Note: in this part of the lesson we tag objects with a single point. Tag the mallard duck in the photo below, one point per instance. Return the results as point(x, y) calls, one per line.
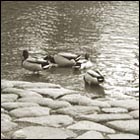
point(92, 77)
point(63, 59)
point(33, 64)
point(84, 63)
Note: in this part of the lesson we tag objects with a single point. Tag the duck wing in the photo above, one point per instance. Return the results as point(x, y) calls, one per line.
point(36, 60)
point(93, 73)
point(96, 74)
point(70, 56)
point(63, 62)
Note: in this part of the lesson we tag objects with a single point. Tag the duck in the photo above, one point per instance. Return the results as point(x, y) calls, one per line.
point(33, 64)
point(84, 63)
point(63, 59)
point(93, 77)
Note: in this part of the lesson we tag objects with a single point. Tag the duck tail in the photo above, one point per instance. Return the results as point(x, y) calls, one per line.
point(100, 78)
point(78, 58)
point(45, 65)
point(77, 65)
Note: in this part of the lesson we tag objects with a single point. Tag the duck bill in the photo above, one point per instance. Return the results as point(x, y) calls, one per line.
point(101, 79)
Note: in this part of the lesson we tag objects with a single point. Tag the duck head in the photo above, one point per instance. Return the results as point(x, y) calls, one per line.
point(25, 54)
point(86, 56)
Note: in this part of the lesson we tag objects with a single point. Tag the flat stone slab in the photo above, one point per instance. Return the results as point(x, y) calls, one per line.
point(4, 111)
point(5, 117)
point(91, 135)
point(53, 92)
point(131, 126)
point(128, 104)
point(37, 100)
point(114, 110)
point(2, 136)
point(135, 114)
point(51, 120)
point(6, 84)
point(54, 104)
point(21, 92)
point(78, 99)
point(76, 110)
point(105, 117)
point(24, 84)
point(38, 132)
point(14, 105)
point(30, 111)
point(88, 125)
point(7, 125)
point(8, 98)
point(123, 136)
point(12, 90)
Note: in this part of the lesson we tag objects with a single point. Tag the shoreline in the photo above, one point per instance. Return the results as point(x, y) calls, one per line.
point(30, 110)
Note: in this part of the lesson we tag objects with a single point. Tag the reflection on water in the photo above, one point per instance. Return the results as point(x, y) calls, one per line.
point(94, 91)
point(106, 30)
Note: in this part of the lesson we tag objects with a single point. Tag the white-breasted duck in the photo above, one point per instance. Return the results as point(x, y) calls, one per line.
point(33, 64)
point(84, 63)
point(93, 77)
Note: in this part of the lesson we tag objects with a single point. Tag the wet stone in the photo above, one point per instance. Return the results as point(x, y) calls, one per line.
point(123, 136)
point(39, 132)
point(53, 92)
point(23, 85)
point(91, 135)
point(27, 93)
point(14, 105)
point(54, 104)
point(21, 92)
point(15, 83)
point(114, 110)
point(12, 90)
point(51, 120)
point(131, 126)
point(57, 104)
point(5, 117)
point(6, 84)
point(105, 117)
point(135, 114)
point(37, 100)
point(7, 125)
point(128, 104)
point(78, 99)
point(8, 98)
point(30, 112)
point(4, 111)
point(2, 136)
point(76, 111)
point(88, 125)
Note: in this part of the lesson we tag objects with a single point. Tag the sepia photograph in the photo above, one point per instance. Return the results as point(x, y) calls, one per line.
point(69, 69)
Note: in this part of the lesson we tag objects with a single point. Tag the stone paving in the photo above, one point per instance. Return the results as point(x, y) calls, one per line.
point(49, 111)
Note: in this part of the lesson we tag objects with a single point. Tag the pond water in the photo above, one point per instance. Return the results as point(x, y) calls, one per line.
point(108, 31)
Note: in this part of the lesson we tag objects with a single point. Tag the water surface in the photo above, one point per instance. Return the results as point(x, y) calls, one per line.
point(109, 31)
